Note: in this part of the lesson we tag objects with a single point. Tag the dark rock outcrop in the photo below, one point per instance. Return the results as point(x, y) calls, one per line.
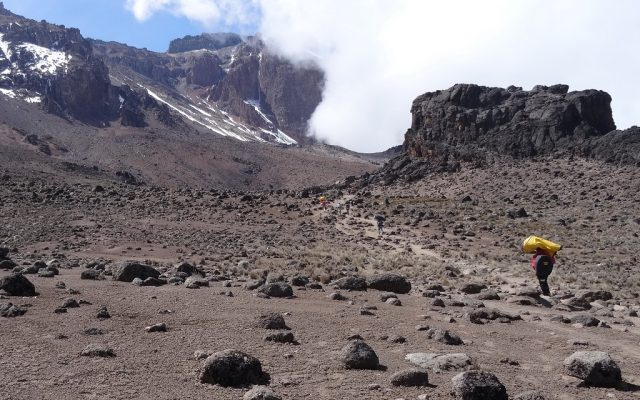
point(466, 120)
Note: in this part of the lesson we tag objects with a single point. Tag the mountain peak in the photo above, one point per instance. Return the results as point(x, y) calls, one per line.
point(205, 41)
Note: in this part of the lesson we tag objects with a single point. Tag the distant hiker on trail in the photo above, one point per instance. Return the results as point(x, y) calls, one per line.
point(542, 260)
point(380, 220)
point(323, 201)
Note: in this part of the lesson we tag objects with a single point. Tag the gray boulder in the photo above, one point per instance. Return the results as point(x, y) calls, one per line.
point(193, 282)
point(358, 355)
point(261, 393)
point(232, 368)
point(442, 362)
point(389, 283)
point(351, 283)
point(10, 310)
point(17, 285)
point(478, 385)
point(595, 368)
point(91, 274)
point(410, 377)
point(128, 271)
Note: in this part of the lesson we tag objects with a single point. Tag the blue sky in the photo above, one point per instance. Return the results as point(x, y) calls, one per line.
point(109, 20)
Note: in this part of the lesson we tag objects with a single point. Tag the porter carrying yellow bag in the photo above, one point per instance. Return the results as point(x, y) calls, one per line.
point(532, 243)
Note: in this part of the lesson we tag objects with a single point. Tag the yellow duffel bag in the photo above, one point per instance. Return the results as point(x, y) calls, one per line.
point(532, 243)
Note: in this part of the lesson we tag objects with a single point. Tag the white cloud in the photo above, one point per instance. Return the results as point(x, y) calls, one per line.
point(209, 13)
point(379, 55)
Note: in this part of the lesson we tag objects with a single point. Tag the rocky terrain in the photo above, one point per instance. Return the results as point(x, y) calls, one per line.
point(117, 290)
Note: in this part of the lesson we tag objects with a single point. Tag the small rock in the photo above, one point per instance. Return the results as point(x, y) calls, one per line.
point(410, 377)
point(530, 395)
point(103, 313)
point(444, 336)
point(98, 350)
point(161, 327)
point(393, 301)
point(281, 337)
point(70, 303)
point(271, 321)
point(261, 393)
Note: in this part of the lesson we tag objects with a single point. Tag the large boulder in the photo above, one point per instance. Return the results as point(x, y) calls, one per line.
point(276, 289)
point(17, 285)
point(128, 271)
point(358, 355)
point(351, 283)
point(389, 283)
point(478, 385)
point(595, 368)
point(232, 368)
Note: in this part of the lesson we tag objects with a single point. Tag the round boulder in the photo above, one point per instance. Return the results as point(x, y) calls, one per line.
point(358, 355)
point(478, 385)
point(595, 368)
point(232, 368)
point(17, 285)
point(389, 283)
point(410, 377)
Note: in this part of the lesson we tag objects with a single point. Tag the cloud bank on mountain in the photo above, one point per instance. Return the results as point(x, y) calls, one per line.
point(379, 55)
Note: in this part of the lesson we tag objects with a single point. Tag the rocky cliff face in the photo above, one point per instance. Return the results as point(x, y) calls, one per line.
point(55, 66)
point(237, 75)
point(206, 41)
point(477, 125)
point(471, 119)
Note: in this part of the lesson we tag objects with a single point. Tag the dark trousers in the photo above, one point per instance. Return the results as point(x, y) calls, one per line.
point(542, 272)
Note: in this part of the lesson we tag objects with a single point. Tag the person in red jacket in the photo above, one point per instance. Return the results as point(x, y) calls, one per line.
point(542, 262)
